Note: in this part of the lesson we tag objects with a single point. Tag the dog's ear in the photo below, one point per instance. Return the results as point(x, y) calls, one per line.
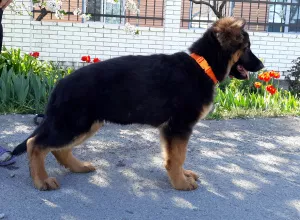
point(229, 31)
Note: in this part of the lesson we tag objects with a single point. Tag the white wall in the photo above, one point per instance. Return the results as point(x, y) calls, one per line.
point(63, 41)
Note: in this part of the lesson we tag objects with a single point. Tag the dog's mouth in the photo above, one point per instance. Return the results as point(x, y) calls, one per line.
point(244, 73)
point(247, 63)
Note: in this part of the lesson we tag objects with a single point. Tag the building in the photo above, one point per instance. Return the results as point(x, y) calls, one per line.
point(167, 26)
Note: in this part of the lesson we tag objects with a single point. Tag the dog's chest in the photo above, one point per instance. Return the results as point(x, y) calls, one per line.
point(205, 110)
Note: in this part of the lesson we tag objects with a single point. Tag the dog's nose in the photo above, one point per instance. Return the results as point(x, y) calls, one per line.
point(261, 66)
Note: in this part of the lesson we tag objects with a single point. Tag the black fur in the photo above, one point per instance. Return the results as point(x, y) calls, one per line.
point(166, 91)
point(249, 61)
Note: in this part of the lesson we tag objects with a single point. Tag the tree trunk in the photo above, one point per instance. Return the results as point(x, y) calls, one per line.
point(42, 15)
point(216, 10)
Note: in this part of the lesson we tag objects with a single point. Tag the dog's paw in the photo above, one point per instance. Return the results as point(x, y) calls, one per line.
point(190, 173)
point(185, 183)
point(83, 167)
point(48, 184)
point(88, 167)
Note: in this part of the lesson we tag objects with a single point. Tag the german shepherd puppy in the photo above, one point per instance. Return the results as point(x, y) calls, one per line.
point(169, 92)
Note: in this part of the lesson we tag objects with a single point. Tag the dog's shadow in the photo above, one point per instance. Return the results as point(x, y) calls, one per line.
point(242, 171)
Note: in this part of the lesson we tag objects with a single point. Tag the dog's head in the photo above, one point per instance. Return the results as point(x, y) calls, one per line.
point(248, 62)
point(235, 41)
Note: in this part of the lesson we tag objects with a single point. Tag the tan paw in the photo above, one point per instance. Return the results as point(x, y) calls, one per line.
point(186, 183)
point(48, 184)
point(84, 167)
point(189, 173)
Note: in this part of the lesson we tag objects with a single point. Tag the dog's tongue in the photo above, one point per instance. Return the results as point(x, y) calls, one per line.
point(243, 71)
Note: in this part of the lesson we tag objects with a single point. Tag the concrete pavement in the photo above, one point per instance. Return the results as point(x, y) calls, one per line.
point(249, 169)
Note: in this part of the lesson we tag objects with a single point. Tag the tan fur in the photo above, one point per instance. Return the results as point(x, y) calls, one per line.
point(37, 155)
point(175, 154)
point(66, 158)
point(205, 110)
point(235, 57)
point(228, 31)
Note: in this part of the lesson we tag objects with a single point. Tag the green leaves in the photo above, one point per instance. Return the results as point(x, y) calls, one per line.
point(237, 98)
point(293, 77)
point(26, 82)
point(36, 1)
point(62, 12)
point(6, 86)
point(21, 87)
point(233, 102)
point(38, 89)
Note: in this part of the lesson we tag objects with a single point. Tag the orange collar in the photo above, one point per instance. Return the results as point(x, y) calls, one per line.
point(204, 65)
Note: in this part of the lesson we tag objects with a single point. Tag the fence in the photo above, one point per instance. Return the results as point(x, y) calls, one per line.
point(270, 16)
point(111, 12)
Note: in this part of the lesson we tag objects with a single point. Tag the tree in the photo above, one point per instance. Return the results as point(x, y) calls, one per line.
point(217, 9)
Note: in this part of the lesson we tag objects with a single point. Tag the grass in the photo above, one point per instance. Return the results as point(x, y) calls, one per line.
point(250, 113)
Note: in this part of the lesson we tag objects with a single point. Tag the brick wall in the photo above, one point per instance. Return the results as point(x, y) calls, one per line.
point(65, 41)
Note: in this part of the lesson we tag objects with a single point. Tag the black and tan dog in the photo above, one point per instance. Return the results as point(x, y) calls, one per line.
point(169, 92)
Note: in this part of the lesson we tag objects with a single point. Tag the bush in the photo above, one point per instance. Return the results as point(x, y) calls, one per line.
point(26, 82)
point(293, 77)
point(255, 97)
point(24, 63)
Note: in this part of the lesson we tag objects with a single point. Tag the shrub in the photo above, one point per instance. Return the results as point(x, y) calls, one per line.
point(293, 77)
point(26, 82)
point(25, 63)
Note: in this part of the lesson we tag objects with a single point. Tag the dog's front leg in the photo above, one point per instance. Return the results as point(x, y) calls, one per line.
point(175, 153)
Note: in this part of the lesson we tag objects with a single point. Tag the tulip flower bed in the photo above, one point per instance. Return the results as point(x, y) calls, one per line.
point(256, 97)
point(26, 83)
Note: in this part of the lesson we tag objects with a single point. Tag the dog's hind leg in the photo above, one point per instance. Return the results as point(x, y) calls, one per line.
point(36, 156)
point(66, 158)
point(175, 154)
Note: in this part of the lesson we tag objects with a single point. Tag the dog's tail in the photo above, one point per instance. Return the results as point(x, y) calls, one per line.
point(21, 148)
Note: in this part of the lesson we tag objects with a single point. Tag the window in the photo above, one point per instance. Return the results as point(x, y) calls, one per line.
point(277, 17)
point(284, 16)
point(271, 15)
point(107, 11)
point(294, 18)
point(200, 15)
point(111, 12)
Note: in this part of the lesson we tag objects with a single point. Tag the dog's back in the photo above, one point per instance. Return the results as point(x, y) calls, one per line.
point(140, 89)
